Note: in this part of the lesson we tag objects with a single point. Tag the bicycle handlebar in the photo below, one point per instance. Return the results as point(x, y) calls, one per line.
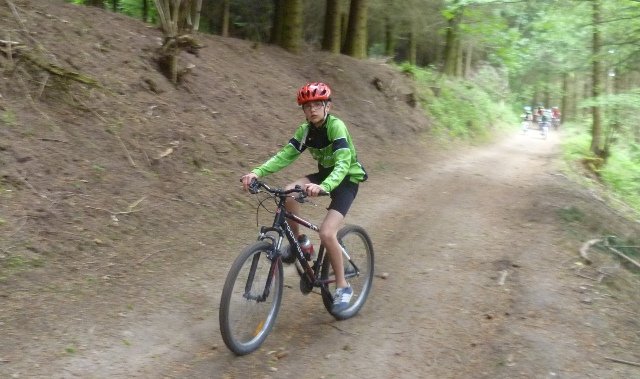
point(255, 186)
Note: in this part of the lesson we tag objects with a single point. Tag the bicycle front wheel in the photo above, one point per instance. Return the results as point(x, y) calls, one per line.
point(250, 299)
point(358, 270)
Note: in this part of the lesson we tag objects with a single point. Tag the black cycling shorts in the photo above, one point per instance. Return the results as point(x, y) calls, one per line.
point(342, 196)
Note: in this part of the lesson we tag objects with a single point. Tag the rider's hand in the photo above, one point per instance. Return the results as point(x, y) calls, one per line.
point(313, 189)
point(247, 179)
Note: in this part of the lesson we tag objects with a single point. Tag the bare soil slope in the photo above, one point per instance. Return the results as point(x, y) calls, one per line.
point(120, 213)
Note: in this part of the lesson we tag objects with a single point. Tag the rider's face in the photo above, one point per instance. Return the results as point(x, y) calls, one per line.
point(315, 111)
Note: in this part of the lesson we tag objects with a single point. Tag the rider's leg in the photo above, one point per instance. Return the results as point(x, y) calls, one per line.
point(293, 206)
point(328, 236)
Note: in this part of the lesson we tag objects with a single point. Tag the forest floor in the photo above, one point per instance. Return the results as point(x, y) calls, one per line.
point(121, 212)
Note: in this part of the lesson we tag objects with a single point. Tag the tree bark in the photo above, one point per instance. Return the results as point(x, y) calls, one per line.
point(389, 38)
point(468, 59)
point(224, 18)
point(95, 3)
point(331, 37)
point(292, 25)
point(196, 11)
point(459, 58)
point(413, 48)
point(145, 10)
point(450, 49)
point(596, 81)
point(174, 19)
point(356, 43)
point(344, 24)
point(276, 27)
point(564, 103)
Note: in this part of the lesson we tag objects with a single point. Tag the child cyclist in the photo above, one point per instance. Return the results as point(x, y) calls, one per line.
point(339, 173)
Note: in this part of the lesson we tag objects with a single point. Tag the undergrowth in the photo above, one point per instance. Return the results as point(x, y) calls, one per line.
point(621, 172)
point(473, 110)
point(459, 108)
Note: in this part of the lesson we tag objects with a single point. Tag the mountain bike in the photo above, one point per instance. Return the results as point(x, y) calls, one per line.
point(252, 292)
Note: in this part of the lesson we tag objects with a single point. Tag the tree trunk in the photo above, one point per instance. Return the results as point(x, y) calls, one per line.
point(95, 3)
point(331, 37)
point(224, 18)
point(196, 11)
point(451, 40)
point(468, 60)
point(174, 17)
point(390, 38)
point(459, 58)
point(596, 82)
point(190, 15)
point(413, 48)
point(115, 5)
point(344, 23)
point(145, 10)
point(292, 25)
point(276, 27)
point(564, 103)
point(356, 43)
point(547, 98)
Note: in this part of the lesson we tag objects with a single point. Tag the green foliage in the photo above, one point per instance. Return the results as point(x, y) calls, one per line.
point(132, 8)
point(576, 141)
point(461, 108)
point(20, 263)
point(620, 174)
point(8, 118)
point(571, 214)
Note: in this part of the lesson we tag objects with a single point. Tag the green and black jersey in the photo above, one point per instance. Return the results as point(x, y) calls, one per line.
point(330, 145)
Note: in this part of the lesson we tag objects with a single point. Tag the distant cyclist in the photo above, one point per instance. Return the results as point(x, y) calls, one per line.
point(537, 117)
point(555, 117)
point(545, 120)
point(526, 118)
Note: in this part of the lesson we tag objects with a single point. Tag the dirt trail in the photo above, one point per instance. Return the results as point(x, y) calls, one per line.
point(481, 285)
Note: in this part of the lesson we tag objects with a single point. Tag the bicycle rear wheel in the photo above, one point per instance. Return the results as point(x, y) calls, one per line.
point(248, 306)
point(358, 270)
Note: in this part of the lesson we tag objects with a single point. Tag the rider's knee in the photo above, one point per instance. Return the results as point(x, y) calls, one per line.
point(327, 234)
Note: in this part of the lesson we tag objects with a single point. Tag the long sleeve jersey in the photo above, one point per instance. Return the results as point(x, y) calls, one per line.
point(330, 145)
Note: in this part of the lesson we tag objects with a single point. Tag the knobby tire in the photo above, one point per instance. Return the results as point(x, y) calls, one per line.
point(358, 245)
point(245, 322)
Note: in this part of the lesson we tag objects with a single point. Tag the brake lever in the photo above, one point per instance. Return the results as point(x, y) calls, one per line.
point(300, 197)
point(254, 187)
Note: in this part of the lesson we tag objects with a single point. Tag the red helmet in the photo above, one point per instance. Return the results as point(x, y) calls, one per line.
point(314, 92)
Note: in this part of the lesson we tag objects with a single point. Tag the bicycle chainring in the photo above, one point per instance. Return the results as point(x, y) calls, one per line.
point(305, 286)
point(287, 255)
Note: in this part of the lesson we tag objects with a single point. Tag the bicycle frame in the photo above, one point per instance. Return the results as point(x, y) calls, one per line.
point(282, 228)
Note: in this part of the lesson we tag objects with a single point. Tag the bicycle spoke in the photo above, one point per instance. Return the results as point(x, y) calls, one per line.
point(250, 299)
point(358, 269)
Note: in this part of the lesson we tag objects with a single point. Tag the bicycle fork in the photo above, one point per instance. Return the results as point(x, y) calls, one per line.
point(250, 279)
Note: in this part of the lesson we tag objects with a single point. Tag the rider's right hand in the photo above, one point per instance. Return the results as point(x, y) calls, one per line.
point(247, 179)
